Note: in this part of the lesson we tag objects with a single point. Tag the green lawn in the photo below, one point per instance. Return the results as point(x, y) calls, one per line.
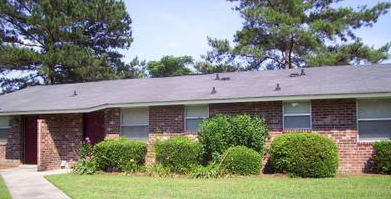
point(115, 186)
point(4, 193)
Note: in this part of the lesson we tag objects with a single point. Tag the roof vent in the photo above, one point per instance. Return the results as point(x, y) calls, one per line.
point(302, 71)
point(74, 93)
point(278, 88)
point(217, 77)
point(213, 91)
point(294, 75)
point(225, 78)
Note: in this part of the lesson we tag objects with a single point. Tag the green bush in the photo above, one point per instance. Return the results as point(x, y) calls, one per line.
point(85, 166)
point(383, 157)
point(241, 160)
point(179, 154)
point(304, 155)
point(158, 170)
point(115, 154)
point(219, 133)
point(209, 171)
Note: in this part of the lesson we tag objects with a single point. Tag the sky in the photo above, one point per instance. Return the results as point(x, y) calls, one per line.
point(181, 27)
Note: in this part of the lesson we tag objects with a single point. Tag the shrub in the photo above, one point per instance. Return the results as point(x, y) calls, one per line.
point(87, 162)
point(219, 133)
point(209, 171)
point(115, 154)
point(85, 166)
point(383, 157)
point(304, 155)
point(158, 170)
point(179, 154)
point(241, 160)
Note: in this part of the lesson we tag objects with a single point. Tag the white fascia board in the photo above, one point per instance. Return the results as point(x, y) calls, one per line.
point(206, 101)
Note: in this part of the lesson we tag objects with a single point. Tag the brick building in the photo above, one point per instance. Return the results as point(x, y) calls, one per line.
point(45, 125)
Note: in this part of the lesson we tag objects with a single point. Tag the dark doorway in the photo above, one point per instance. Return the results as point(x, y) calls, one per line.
point(30, 139)
point(94, 126)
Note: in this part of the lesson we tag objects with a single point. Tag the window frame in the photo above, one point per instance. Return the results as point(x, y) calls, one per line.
point(368, 119)
point(132, 125)
point(296, 114)
point(6, 127)
point(186, 118)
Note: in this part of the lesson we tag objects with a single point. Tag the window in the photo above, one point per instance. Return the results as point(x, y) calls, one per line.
point(135, 123)
point(297, 115)
point(374, 119)
point(194, 117)
point(4, 128)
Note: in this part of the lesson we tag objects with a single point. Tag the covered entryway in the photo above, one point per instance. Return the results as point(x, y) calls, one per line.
point(94, 126)
point(30, 139)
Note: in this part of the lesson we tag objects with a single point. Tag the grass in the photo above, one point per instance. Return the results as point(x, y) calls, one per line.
point(4, 193)
point(116, 186)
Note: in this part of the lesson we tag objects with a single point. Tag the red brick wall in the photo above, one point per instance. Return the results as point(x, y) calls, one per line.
point(11, 152)
point(272, 111)
point(59, 138)
point(112, 122)
point(168, 119)
point(339, 114)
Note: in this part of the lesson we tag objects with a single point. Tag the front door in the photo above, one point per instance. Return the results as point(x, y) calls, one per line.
point(30, 140)
point(94, 126)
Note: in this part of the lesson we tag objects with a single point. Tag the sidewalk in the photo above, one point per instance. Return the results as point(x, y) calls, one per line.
point(27, 183)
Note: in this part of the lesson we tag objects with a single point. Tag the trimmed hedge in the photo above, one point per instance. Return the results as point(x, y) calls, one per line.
point(241, 160)
point(304, 155)
point(383, 157)
point(179, 154)
point(114, 154)
point(219, 133)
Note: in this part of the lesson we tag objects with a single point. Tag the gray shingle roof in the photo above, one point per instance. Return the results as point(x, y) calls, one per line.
point(242, 86)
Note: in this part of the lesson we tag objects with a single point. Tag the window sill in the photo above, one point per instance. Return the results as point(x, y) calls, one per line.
point(3, 143)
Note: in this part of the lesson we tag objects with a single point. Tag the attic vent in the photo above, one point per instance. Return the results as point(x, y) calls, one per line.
point(302, 72)
point(225, 78)
point(213, 91)
point(297, 74)
point(278, 88)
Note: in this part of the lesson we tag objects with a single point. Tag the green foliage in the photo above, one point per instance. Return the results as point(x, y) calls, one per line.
point(115, 154)
point(85, 166)
point(170, 66)
point(158, 170)
point(131, 166)
point(87, 163)
point(383, 157)
point(209, 171)
point(280, 34)
point(304, 155)
point(219, 133)
point(241, 160)
point(178, 154)
point(62, 41)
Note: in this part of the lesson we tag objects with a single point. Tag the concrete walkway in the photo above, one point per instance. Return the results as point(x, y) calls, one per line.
point(26, 183)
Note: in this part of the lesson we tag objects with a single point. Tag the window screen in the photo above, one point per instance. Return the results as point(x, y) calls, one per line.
point(297, 115)
point(194, 117)
point(4, 128)
point(374, 119)
point(135, 123)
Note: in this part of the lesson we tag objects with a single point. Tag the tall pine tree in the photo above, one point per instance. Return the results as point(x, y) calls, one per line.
point(52, 41)
point(283, 34)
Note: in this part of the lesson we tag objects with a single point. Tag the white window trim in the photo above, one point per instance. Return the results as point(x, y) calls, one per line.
point(131, 125)
point(186, 118)
point(367, 119)
point(298, 114)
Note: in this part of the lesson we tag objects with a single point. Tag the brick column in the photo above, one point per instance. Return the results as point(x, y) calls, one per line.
point(59, 138)
point(112, 122)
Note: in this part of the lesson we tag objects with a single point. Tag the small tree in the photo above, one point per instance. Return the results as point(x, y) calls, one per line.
point(219, 133)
